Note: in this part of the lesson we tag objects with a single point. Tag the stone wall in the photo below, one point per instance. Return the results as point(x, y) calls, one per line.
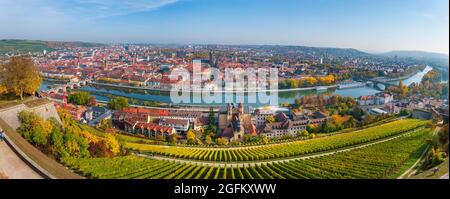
point(10, 115)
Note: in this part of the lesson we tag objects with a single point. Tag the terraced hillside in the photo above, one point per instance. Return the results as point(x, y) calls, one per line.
point(283, 150)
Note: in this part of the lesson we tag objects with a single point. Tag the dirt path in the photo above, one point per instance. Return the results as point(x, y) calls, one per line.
point(413, 169)
point(12, 167)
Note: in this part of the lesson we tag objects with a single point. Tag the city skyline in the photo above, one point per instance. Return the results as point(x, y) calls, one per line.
point(369, 26)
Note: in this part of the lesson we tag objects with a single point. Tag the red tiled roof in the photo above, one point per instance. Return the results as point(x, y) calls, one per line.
point(154, 127)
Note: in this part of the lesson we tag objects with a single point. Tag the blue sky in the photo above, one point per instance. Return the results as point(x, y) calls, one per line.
point(371, 25)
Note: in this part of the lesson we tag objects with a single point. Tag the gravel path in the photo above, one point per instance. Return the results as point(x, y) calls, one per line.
point(13, 167)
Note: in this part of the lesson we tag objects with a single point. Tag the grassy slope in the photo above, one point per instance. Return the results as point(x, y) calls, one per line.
point(429, 174)
point(22, 46)
point(25, 46)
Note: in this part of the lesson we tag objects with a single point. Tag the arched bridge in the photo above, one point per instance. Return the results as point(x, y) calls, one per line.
point(69, 85)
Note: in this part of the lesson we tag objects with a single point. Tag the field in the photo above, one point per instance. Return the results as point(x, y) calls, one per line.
point(38, 46)
point(283, 150)
point(382, 160)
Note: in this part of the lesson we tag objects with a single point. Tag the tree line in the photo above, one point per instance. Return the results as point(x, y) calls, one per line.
point(67, 139)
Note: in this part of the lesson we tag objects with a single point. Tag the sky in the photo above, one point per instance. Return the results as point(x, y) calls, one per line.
point(369, 25)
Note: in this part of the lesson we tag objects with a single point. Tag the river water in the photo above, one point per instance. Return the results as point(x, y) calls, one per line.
point(104, 93)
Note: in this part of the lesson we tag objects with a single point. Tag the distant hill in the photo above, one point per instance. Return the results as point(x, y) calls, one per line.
point(438, 61)
point(318, 51)
point(416, 54)
point(25, 46)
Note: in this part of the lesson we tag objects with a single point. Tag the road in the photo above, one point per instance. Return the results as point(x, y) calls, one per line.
point(444, 176)
point(13, 167)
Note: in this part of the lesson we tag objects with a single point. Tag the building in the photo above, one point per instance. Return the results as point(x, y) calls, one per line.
point(377, 99)
point(180, 125)
point(261, 116)
point(76, 112)
point(235, 123)
point(149, 130)
point(377, 112)
point(423, 114)
point(287, 127)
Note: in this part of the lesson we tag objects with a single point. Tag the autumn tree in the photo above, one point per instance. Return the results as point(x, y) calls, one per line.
point(222, 141)
point(270, 119)
point(190, 136)
point(208, 140)
point(20, 77)
point(112, 144)
point(173, 138)
point(3, 88)
point(403, 90)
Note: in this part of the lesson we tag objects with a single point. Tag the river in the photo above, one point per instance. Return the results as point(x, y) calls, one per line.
point(103, 93)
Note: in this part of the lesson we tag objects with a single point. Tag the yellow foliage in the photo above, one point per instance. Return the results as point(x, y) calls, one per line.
point(327, 80)
point(3, 89)
point(89, 137)
point(112, 143)
point(311, 80)
point(340, 119)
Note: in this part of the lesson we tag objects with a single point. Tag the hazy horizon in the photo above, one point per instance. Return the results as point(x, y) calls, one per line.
point(369, 26)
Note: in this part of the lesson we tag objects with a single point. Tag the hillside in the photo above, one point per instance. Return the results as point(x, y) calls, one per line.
point(25, 46)
point(416, 54)
point(318, 51)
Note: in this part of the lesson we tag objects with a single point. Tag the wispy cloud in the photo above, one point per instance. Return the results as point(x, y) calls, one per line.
point(430, 16)
point(426, 16)
point(65, 19)
point(79, 8)
point(108, 8)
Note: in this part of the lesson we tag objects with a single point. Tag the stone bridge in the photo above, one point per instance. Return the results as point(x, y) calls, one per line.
point(69, 85)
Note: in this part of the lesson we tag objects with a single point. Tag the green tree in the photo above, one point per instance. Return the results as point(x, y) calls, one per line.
point(303, 133)
point(79, 98)
point(118, 103)
point(404, 112)
point(310, 128)
point(34, 128)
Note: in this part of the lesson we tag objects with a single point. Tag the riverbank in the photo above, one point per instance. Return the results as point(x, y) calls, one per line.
point(424, 71)
point(318, 88)
point(220, 91)
point(104, 92)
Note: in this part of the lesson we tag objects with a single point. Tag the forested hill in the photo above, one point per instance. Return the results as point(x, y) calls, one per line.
point(25, 46)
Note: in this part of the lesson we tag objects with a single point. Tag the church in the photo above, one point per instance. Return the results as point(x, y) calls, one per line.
point(235, 123)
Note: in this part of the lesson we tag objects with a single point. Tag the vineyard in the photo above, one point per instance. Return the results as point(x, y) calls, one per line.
point(283, 150)
point(381, 160)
